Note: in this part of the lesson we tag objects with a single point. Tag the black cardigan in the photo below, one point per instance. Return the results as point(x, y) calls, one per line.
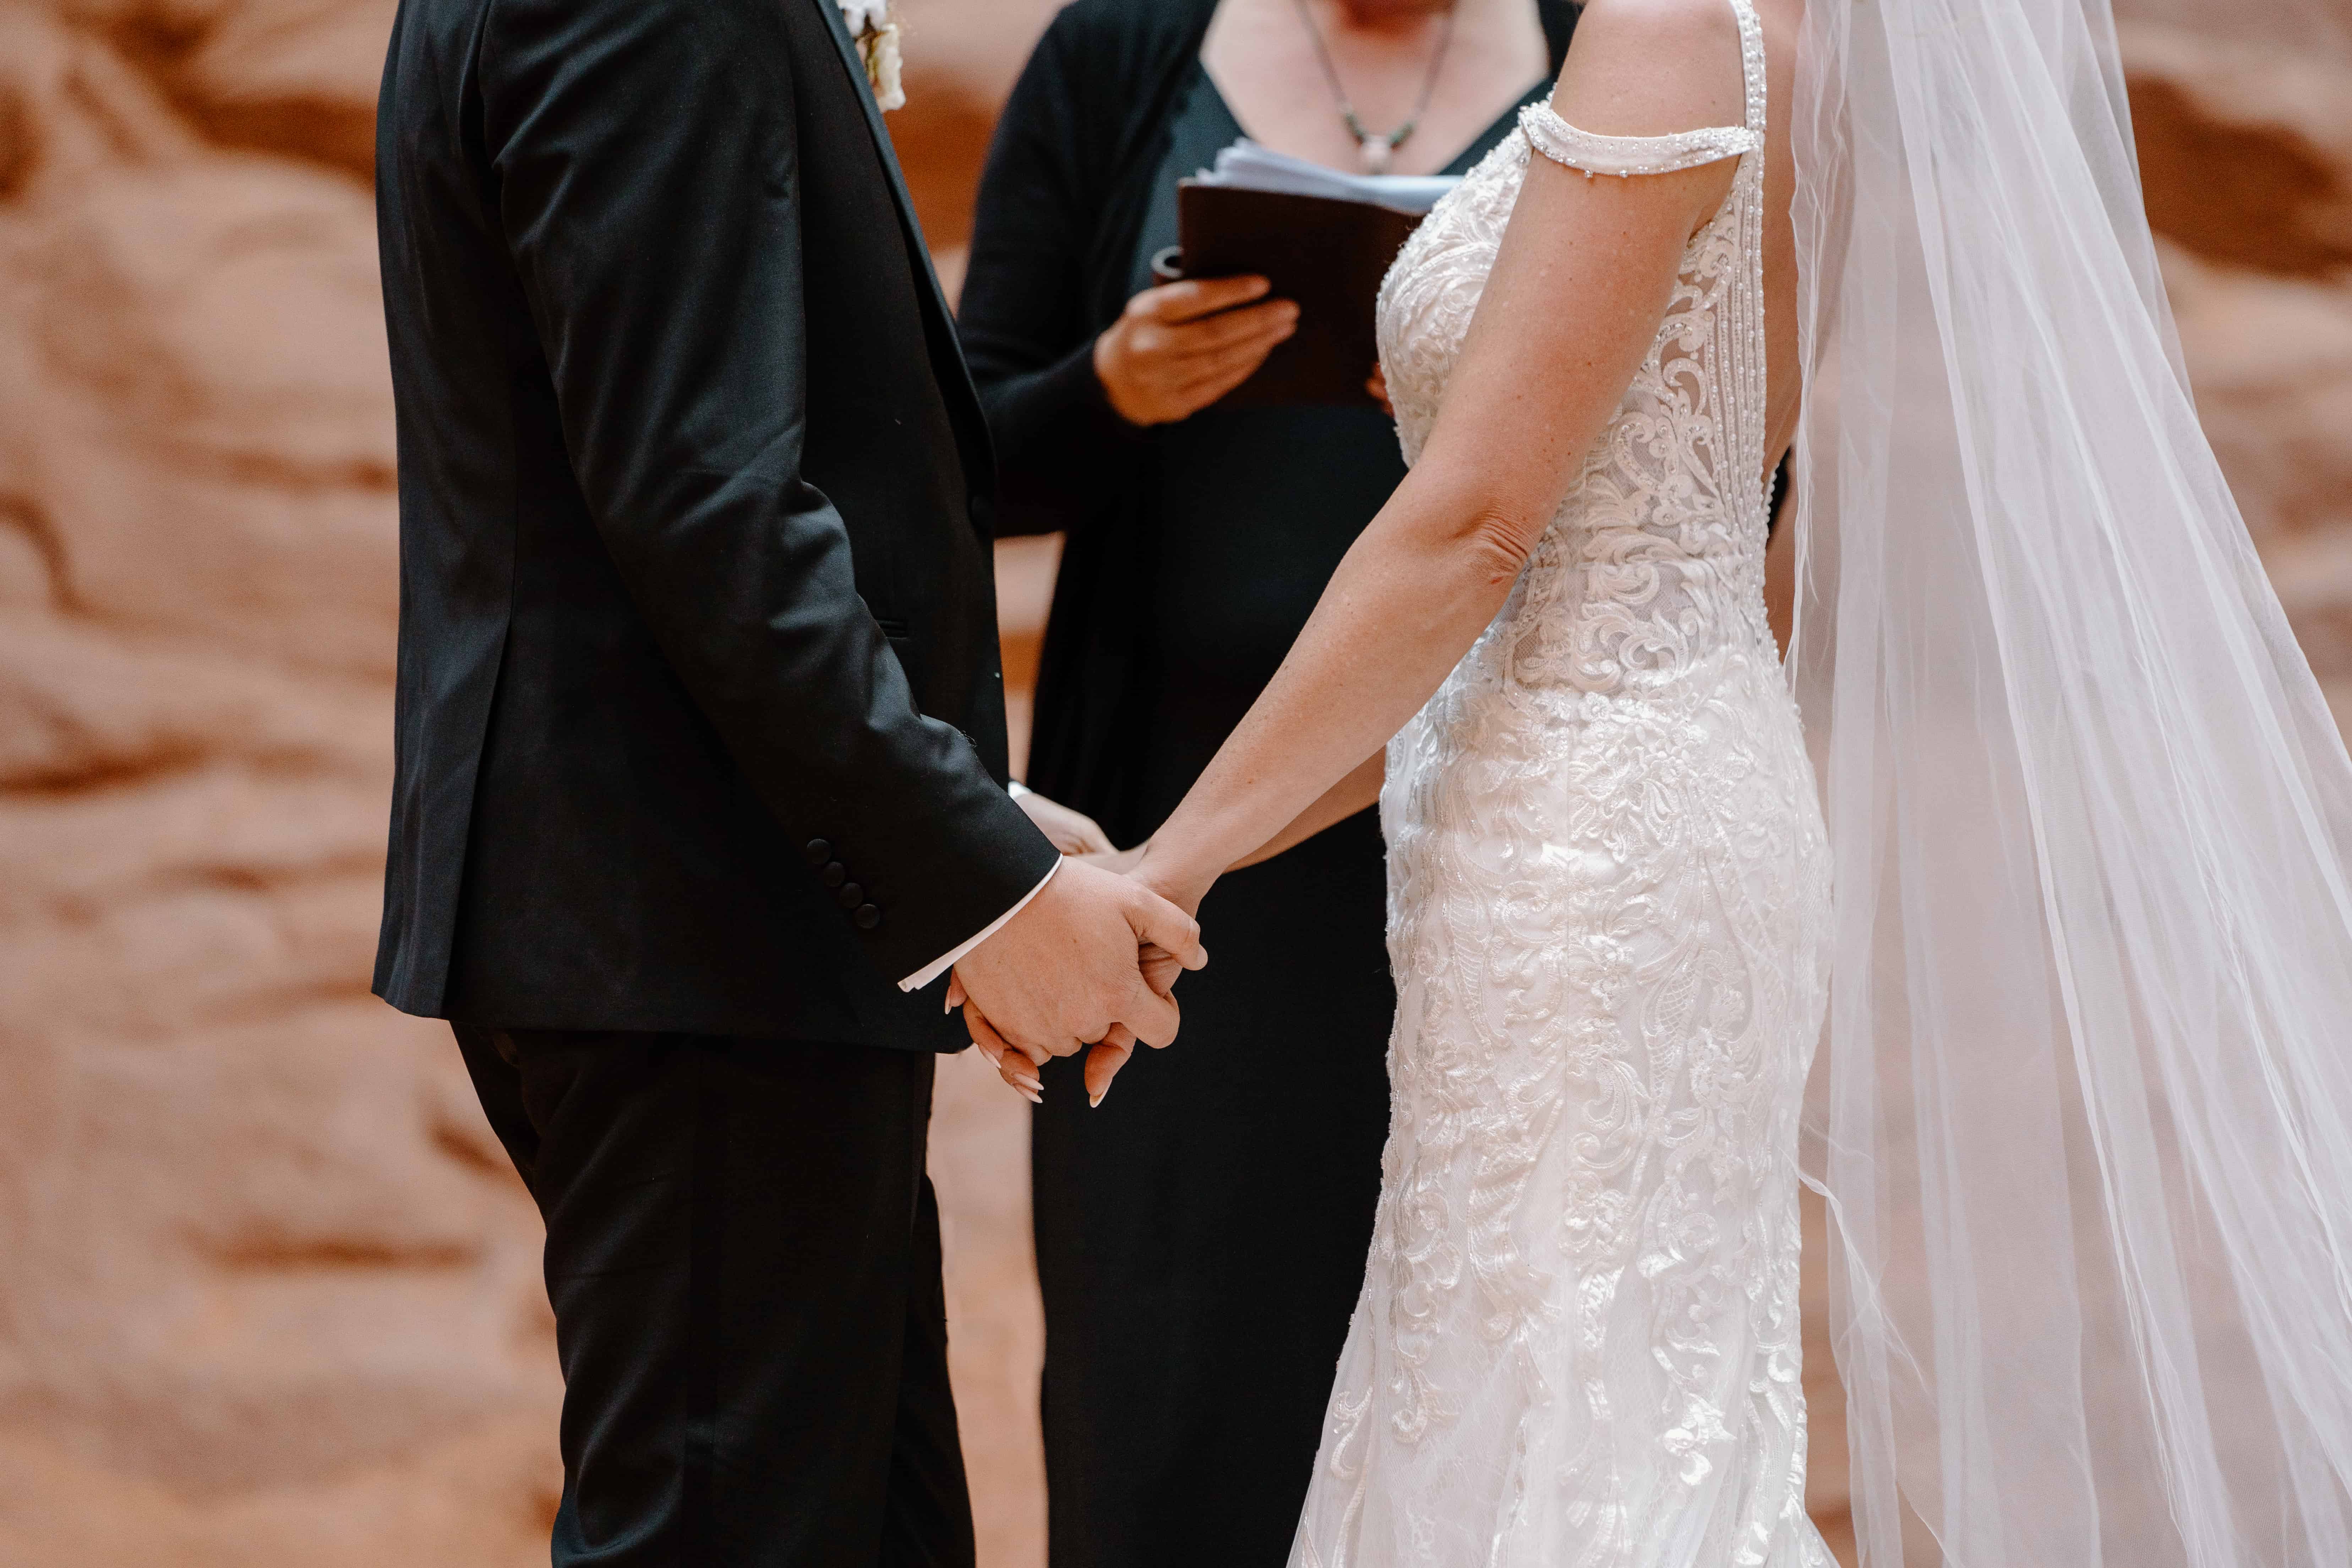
point(1061, 205)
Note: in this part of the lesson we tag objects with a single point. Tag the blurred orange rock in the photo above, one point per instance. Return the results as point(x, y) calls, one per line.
point(2246, 151)
point(271, 1293)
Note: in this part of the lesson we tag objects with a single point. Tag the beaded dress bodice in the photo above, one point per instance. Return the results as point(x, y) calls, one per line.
point(1656, 555)
point(1578, 1343)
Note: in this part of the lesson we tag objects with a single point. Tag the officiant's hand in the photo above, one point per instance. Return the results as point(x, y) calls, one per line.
point(1067, 971)
point(1179, 348)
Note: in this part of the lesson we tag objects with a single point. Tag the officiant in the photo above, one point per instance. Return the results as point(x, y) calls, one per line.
point(1202, 1236)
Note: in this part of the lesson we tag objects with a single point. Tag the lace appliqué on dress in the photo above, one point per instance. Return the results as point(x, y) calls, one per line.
point(1577, 1344)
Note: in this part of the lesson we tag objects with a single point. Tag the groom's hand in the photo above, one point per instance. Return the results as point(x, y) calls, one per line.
point(1066, 972)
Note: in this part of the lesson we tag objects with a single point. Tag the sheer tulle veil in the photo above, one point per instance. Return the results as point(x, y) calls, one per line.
point(2085, 1113)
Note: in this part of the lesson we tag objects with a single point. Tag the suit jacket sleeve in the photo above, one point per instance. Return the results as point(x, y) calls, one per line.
point(646, 165)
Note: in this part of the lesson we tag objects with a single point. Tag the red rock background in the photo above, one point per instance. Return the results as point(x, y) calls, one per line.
point(268, 1290)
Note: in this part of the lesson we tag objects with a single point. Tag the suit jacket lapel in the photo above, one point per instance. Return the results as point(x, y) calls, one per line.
point(956, 377)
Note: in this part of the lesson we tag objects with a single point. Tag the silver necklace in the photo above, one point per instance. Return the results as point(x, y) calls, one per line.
point(1376, 148)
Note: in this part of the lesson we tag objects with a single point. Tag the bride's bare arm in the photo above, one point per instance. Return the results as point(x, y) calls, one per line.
point(1585, 273)
point(1341, 801)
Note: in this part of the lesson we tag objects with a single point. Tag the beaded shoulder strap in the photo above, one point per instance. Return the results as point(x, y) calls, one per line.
point(1624, 156)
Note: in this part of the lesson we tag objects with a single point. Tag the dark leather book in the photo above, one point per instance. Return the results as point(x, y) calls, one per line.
point(1327, 254)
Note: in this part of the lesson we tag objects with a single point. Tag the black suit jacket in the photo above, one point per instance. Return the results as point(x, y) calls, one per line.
point(700, 724)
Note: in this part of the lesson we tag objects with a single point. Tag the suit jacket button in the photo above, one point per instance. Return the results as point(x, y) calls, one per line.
point(819, 851)
point(834, 874)
point(867, 917)
point(850, 895)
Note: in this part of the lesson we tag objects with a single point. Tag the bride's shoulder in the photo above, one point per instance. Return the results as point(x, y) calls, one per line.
point(1651, 67)
point(1603, 21)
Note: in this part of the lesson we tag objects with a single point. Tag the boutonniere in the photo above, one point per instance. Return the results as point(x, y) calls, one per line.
point(877, 33)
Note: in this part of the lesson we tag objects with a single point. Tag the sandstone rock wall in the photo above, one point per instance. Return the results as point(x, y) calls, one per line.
point(268, 1292)
point(2246, 153)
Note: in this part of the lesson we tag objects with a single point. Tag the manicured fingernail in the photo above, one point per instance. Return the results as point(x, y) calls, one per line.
point(1034, 1098)
point(1097, 1099)
point(1019, 1081)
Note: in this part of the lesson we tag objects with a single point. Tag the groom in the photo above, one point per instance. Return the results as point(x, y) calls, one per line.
point(701, 749)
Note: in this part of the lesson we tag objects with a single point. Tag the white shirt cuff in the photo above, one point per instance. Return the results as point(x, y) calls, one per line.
point(940, 966)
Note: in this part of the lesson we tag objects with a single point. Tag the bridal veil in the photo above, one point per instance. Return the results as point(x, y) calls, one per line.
point(2085, 1122)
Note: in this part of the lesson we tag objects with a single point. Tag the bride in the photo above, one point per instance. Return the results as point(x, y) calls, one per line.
point(2085, 982)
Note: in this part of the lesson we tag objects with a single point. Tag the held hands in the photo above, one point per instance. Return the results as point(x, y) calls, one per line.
point(1068, 971)
point(1174, 873)
point(1158, 965)
point(1179, 348)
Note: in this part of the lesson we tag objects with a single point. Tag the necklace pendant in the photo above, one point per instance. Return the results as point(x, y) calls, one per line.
point(1376, 154)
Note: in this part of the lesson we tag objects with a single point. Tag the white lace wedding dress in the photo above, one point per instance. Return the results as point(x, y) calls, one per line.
point(1578, 1343)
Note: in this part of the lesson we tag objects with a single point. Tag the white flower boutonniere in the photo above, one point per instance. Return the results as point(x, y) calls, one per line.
point(877, 33)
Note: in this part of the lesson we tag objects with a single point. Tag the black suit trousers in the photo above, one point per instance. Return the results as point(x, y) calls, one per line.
point(743, 1256)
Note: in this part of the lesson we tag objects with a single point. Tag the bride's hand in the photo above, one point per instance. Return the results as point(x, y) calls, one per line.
point(1105, 1058)
point(1168, 870)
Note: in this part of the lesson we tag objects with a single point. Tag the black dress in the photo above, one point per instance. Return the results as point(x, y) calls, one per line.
point(1202, 1236)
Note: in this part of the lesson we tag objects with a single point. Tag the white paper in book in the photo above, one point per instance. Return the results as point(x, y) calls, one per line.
point(1247, 166)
